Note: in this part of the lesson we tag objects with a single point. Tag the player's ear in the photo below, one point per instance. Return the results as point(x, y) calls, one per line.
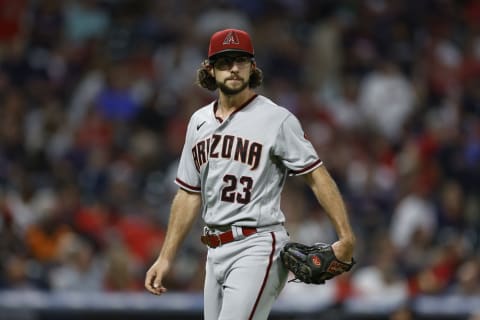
point(208, 66)
point(210, 70)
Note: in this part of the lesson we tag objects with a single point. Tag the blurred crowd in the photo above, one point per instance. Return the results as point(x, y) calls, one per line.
point(95, 96)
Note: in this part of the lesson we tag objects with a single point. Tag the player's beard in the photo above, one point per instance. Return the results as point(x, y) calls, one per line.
point(231, 91)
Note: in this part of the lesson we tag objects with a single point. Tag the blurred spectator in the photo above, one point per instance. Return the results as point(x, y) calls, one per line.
point(11, 123)
point(47, 23)
point(386, 99)
point(467, 278)
point(45, 238)
point(16, 274)
point(475, 316)
point(414, 221)
point(324, 58)
point(115, 101)
point(95, 96)
point(85, 20)
point(12, 20)
point(344, 107)
point(78, 269)
point(436, 275)
point(85, 90)
point(452, 215)
point(93, 221)
point(220, 17)
point(140, 236)
point(402, 313)
point(305, 222)
point(381, 279)
point(120, 269)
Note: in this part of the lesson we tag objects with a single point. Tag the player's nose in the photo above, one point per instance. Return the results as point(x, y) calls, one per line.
point(234, 67)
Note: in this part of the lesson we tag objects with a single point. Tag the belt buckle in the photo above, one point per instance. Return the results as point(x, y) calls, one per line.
point(218, 238)
point(209, 236)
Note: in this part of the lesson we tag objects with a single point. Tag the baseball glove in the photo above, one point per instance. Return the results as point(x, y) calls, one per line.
point(313, 264)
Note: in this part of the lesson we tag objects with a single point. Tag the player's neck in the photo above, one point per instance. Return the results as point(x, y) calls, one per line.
point(229, 103)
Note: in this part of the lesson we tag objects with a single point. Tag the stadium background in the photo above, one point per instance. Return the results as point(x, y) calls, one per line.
point(94, 100)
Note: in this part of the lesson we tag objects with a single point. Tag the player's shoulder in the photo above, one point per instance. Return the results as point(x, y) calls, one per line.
point(204, 110)
point(202, 113)
point(268, 106)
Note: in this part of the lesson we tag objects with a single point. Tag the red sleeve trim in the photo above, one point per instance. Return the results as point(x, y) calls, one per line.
point(187, 186)
point(306, 169)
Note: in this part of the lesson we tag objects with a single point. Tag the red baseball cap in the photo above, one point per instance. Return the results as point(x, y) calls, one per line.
point(230, 40)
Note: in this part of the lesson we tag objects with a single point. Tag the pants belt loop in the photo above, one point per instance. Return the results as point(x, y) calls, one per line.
point(237, 233)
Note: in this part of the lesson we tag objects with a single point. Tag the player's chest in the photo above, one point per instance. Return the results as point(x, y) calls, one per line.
point(231, 143)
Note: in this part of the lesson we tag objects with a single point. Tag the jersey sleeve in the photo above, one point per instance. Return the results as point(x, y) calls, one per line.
point(188, 176)
point(294, 150)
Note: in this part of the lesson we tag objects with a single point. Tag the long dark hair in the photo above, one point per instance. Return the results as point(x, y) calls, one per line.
point(205, 79)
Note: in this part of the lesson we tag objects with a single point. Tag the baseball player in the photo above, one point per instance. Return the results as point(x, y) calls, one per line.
point(238, 151)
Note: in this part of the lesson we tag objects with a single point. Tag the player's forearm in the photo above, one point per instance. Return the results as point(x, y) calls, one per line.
point(185, 207)
point(329, 197)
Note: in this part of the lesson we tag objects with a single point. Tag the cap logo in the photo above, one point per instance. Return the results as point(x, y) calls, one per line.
point(316, 261)
point(231, 38)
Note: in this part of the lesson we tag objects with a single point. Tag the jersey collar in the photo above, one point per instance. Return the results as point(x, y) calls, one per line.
point(246, 103)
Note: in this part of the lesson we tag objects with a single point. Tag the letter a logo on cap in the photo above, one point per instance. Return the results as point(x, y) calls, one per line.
point(231, 38)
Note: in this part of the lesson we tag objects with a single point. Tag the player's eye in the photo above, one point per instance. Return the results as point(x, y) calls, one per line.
point(242, 60)
point(226, 63)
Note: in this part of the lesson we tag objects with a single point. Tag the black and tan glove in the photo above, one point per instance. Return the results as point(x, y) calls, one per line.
point(313, 264)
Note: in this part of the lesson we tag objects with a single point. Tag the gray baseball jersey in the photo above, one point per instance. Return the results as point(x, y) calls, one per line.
point(240, 164)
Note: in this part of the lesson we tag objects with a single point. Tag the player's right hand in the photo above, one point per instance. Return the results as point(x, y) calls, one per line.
point(154, 276)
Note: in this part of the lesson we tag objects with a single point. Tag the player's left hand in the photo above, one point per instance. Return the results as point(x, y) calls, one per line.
point(313, 264)
point(343, 251)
